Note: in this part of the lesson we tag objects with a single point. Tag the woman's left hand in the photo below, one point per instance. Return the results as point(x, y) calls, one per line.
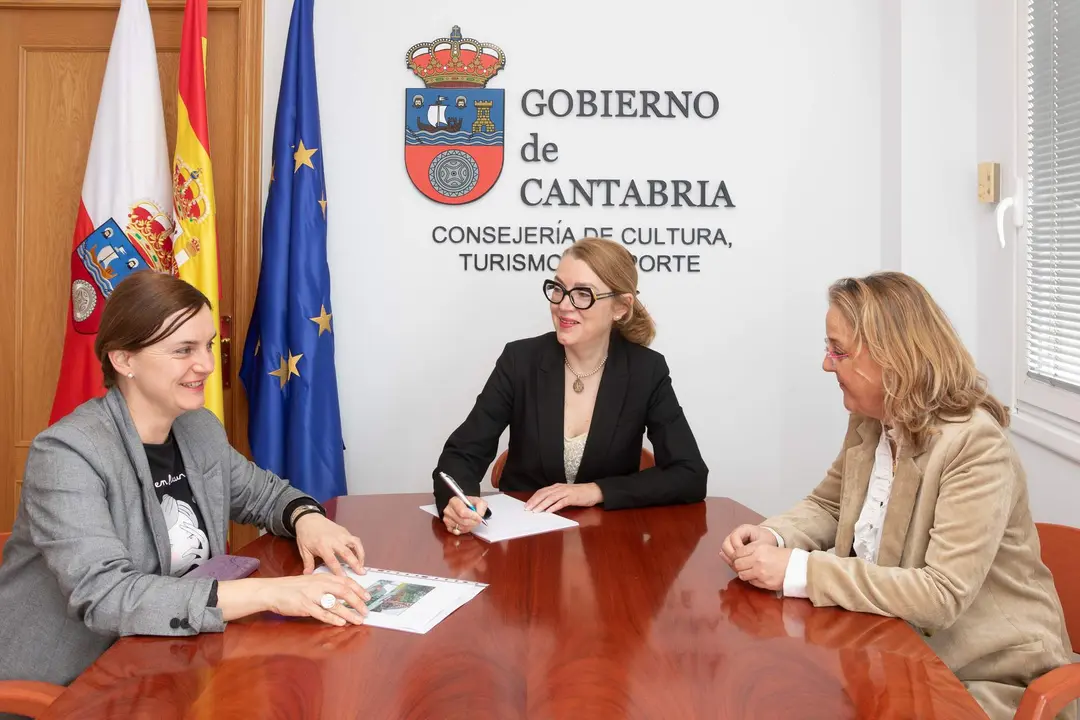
point(317, 536)
point(762, 565)
point(555, 497)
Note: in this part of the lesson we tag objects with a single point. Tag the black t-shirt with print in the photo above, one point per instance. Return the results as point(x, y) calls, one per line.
point(187, 529)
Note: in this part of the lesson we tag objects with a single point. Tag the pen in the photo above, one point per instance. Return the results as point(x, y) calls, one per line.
point(461, 496)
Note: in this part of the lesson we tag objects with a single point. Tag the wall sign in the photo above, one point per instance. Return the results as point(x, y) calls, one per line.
point(454, 125)
point(454, 155)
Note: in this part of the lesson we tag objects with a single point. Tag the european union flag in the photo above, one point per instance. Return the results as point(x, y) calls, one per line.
point(288, 368)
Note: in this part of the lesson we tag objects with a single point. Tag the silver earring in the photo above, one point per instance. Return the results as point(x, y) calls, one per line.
point(131, 375)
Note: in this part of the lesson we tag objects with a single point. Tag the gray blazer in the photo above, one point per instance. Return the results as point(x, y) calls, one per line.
point(89, 557)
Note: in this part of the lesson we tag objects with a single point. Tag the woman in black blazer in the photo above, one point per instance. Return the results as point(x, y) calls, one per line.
point(578, 401)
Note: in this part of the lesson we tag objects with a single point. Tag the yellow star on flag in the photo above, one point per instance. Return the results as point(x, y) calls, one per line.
point(323, 320)
point(293, 360)
point(287, 369)
point(322, 204)
point(302, 156)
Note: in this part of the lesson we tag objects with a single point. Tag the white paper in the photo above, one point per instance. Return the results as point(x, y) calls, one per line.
point(509, 519)
point(410, 602)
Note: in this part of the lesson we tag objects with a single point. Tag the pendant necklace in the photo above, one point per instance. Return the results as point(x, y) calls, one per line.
point(578, 385)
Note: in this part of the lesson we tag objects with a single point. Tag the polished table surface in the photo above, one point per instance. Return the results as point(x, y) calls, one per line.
point(631, 615)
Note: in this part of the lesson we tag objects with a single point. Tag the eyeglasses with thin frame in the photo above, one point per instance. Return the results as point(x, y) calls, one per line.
point(582, 298)
point(835, 357)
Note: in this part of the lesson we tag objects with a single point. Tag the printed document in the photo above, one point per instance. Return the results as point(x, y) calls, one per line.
point(410, 602)
point(509, 519)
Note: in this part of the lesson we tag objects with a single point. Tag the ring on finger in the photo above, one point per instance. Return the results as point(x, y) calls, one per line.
point(328, 601)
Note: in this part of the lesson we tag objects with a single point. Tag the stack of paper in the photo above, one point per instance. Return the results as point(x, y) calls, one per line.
point(509, 519)
point(410, 602)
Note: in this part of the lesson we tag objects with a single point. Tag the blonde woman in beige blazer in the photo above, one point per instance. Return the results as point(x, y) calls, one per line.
point(924, 513)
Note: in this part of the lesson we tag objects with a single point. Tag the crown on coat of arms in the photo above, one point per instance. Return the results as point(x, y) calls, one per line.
point(151, 230)
point(190, 199)
point(455, 62)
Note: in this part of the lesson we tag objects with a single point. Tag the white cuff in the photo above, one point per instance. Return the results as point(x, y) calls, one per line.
point(795, 575)
point(779, 540)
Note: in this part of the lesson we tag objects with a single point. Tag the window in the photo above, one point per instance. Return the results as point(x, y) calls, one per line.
point(1048, 370)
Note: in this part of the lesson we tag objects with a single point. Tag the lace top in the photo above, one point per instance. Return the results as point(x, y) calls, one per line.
point(573, 449)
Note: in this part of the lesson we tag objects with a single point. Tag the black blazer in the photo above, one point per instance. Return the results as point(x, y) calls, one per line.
point(526, 391)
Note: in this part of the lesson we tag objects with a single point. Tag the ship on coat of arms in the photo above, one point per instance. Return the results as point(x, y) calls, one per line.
point(454, 124)
point(109, 254)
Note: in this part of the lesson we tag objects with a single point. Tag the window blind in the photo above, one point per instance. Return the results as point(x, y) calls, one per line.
point(1053, 182)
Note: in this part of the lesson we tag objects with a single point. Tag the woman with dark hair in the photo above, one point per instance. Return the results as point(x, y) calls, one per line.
point(125, 496)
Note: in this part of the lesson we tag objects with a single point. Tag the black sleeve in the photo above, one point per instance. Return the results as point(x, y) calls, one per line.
point(211, 601)
point(305, 500)
point(472, 446)
point(680, 475)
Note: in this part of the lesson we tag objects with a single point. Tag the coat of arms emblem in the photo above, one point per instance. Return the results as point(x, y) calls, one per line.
point(110, 254)
point(454, 124)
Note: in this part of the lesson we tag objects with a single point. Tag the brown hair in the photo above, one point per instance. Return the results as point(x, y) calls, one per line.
point(135, 315)
point(925, 367)
point(615, 267)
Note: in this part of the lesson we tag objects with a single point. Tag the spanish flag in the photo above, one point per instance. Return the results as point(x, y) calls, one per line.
point(195, 237)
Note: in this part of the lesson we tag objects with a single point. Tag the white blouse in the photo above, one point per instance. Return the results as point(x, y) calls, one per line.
point(868, 527)
point(867, 539)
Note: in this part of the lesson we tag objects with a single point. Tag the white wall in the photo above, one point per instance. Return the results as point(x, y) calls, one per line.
point(848, 139)
point(938, 152)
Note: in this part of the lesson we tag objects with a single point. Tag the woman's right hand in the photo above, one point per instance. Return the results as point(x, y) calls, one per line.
point(300, 596)
point(460, 519)
point(741, 537)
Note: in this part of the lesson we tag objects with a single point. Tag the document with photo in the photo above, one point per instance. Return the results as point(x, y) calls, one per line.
point(509, 519)
point(411, 602)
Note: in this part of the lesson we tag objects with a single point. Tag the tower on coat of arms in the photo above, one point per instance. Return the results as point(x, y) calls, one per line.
point(454, 124)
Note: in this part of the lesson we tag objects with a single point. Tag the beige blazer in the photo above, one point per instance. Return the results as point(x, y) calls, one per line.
point(959, 557)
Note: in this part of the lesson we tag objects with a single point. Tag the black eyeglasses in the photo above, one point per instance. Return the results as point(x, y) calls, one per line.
point(582, 298)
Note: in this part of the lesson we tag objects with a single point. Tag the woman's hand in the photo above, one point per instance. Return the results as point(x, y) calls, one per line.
point(301, 596)
point(762, 565)
point(319, 537)
point(554, 498)
point(297, 596)
point(460, 519)
point(741, 537)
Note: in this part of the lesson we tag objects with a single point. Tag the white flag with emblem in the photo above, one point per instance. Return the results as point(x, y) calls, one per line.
point(127, 181)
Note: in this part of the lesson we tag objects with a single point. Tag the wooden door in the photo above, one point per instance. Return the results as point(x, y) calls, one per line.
point(52, 61)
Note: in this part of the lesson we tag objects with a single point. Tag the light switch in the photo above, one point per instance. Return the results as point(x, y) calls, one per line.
point(989, 182)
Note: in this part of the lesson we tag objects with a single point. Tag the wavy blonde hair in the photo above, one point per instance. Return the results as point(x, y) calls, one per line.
point(615, 267)
point(925, 367)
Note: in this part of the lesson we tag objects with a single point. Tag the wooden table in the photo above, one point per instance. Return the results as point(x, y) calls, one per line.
point(632, 615)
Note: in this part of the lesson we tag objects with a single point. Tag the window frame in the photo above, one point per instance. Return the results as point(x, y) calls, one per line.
point(1043, 413)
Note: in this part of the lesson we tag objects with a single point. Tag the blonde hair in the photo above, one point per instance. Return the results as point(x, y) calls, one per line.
point(615, 267)
point(926, 370)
